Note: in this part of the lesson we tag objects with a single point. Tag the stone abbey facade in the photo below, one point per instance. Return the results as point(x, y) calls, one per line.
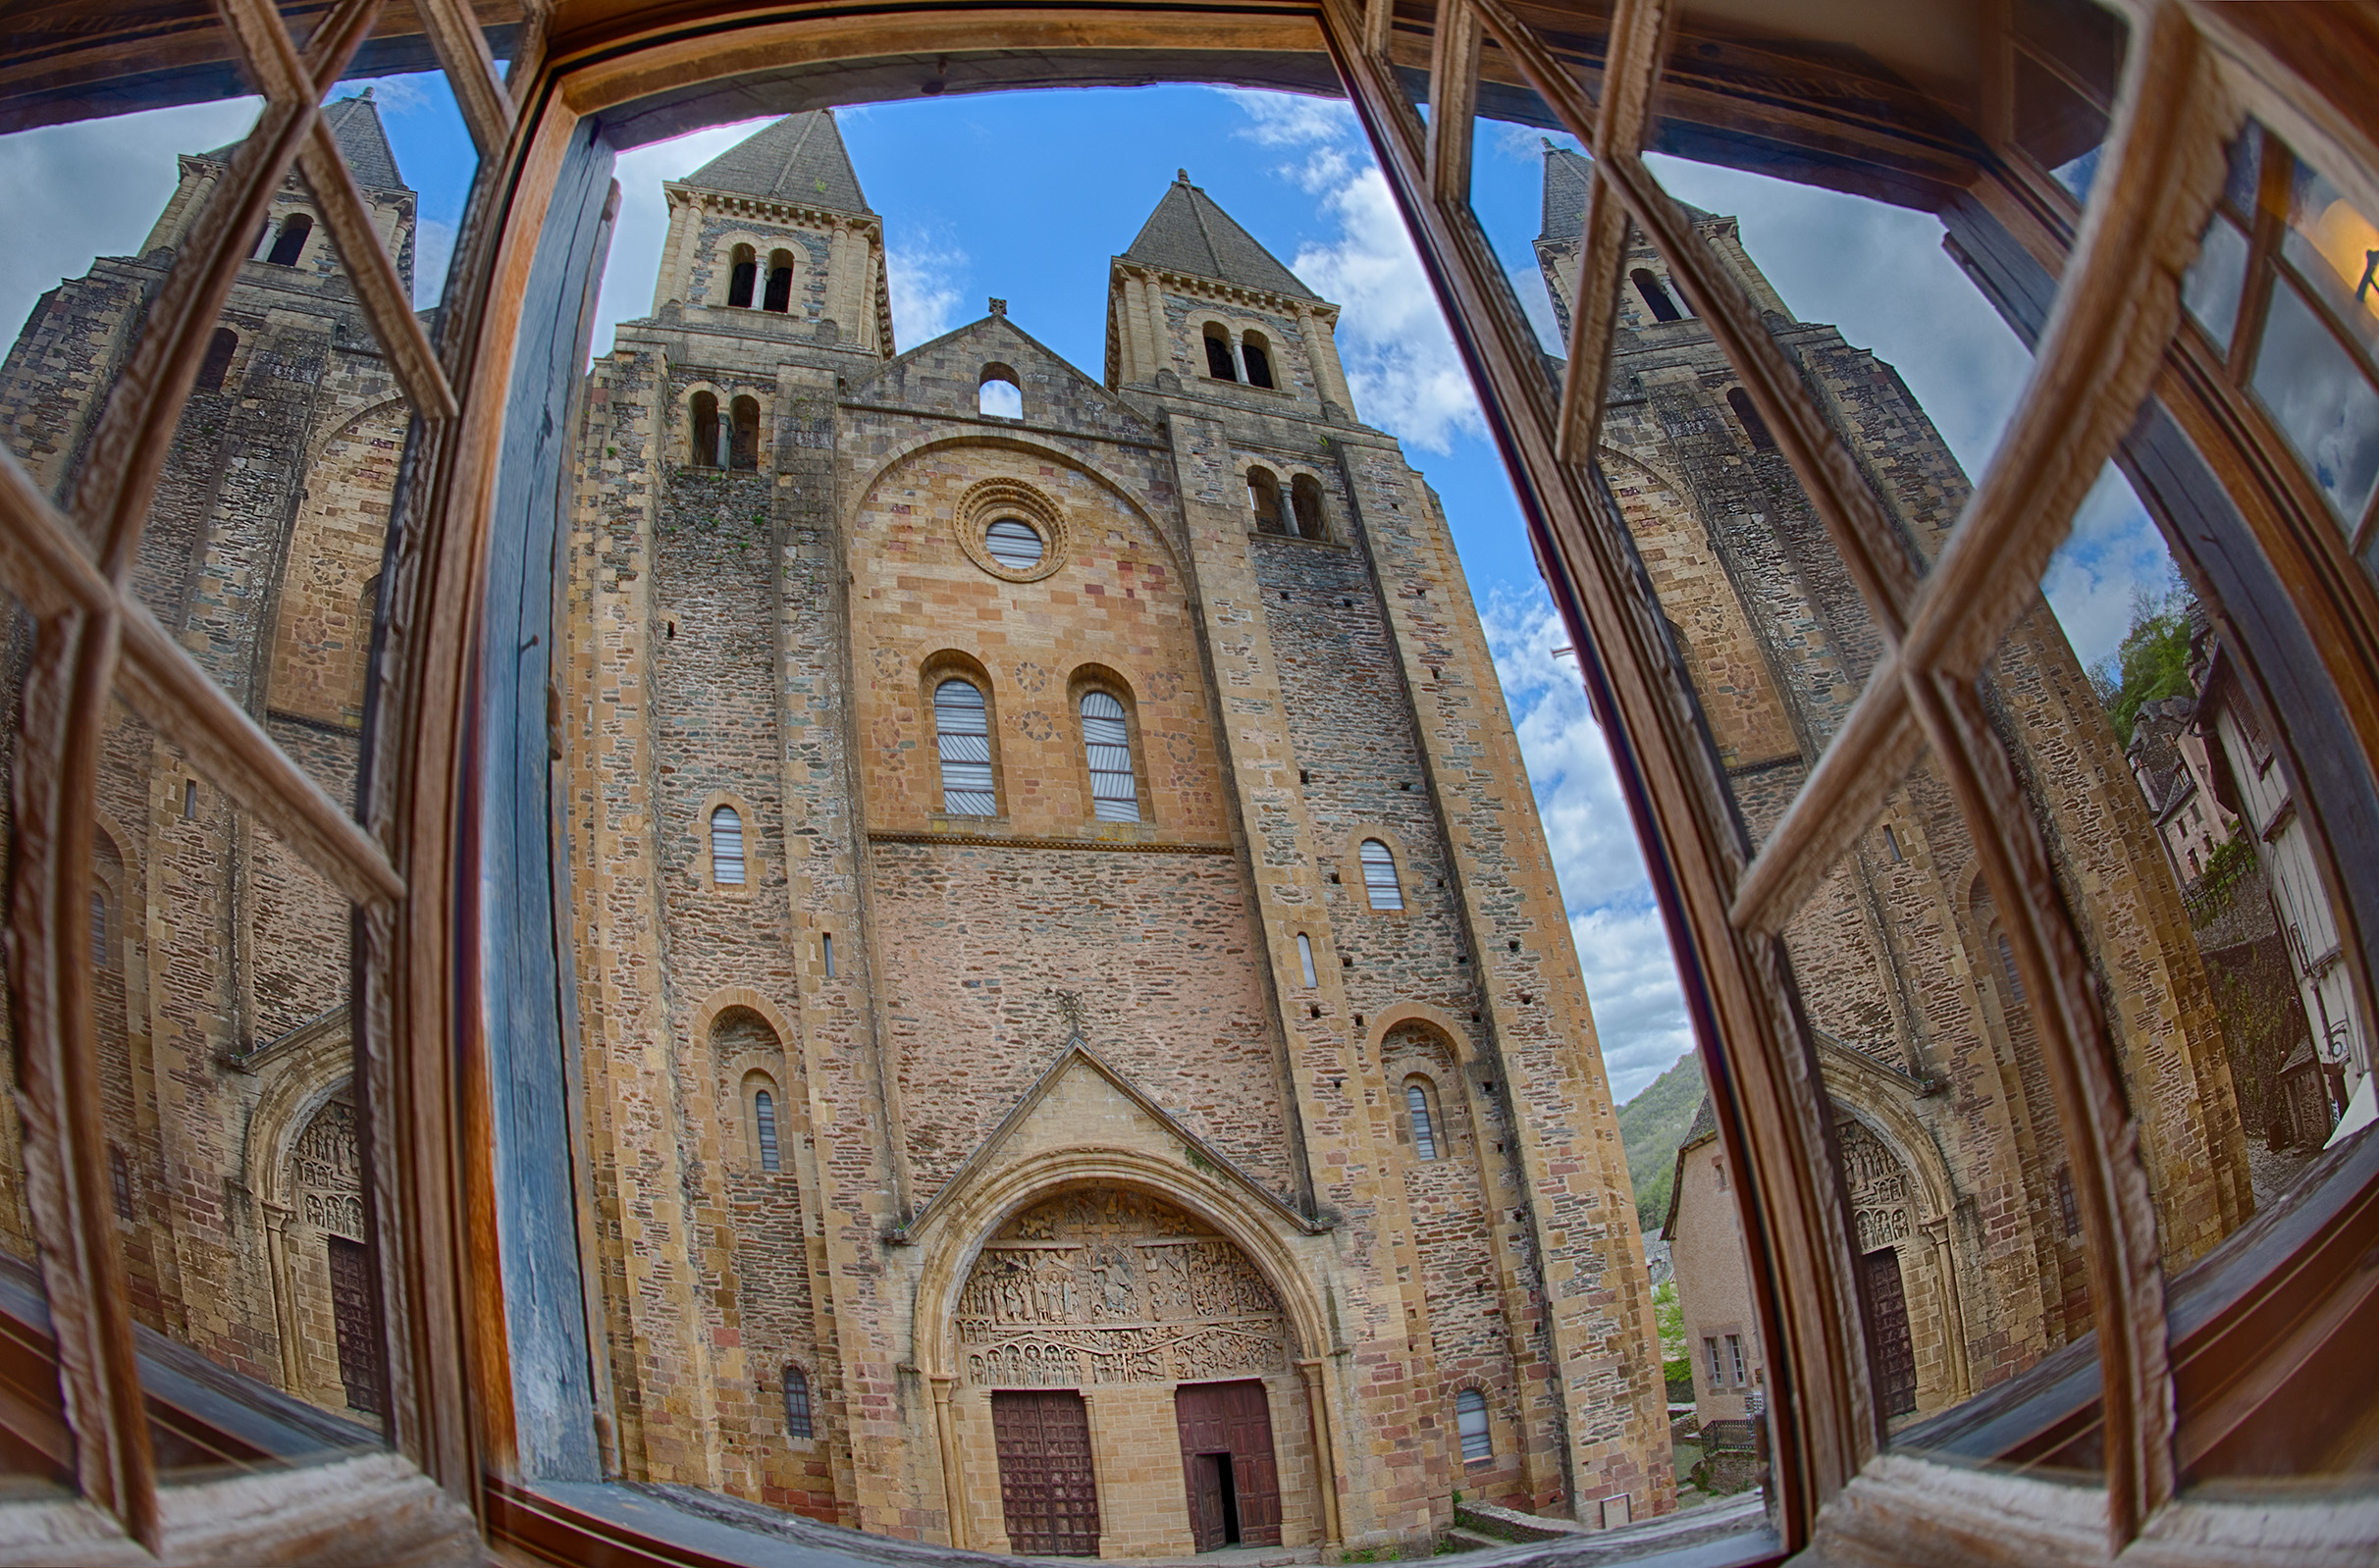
point(221, 959)
point(1951, 1154)
point(1084, 1047)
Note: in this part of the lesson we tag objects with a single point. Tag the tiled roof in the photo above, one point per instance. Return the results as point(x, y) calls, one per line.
point(798, 159)
point(1567, 175)
point(1189, 234)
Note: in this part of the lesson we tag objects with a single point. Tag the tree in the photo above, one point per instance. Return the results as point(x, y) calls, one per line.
point(2154, 661)
point(1677, 1364)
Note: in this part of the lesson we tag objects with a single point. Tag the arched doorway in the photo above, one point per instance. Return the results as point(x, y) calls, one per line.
point(1100, 1333)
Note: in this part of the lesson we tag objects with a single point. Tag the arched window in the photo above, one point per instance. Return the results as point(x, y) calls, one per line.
point(1471, 1417)
point(1656, 299)
point(99, 931)
point(1305, 500)
point(1107, 743)
point(1218, 354)
point(291, 241)
point(797, 1404)
point(1753, 425)
point(962, 725)
point(708, 452)
point(1304, 957)
point(740, 271)
point(779, 296)
point(1424, 1126)
point(726, 848)
point(218, 361)
point(763, 1127)
point(999, 394)
point(1255, 352)
point(743, 451)
point(1379, 876)
point(2007, 966)
point(120, 1182)
point(1264, 495)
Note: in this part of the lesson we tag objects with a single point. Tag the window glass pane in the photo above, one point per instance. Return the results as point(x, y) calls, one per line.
point(2067, 62)
point(1107, 743)
point(2322, 401)
point(2210, 288)
point(961, 729)
point(2335, 248)
point(235, 1127)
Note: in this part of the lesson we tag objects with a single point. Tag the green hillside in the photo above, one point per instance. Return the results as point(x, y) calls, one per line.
point(1651, 1126)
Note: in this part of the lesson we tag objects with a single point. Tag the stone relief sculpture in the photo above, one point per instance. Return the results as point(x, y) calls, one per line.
point(1108, 1288)
point(326, 1171)
point(1881, 1196)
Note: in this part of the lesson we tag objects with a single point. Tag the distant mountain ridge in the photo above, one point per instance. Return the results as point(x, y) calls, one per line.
point(1651, 1126)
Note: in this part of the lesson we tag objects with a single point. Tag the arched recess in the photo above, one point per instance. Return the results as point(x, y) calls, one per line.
point(1878, 1100)
point(1115, 490)
point(778, 1059)
point(339, 541)
point(306, 1075)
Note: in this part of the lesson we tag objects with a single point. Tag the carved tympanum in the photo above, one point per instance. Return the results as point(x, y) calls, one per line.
point(1882, 1197)
point(1103, 1288)
point(326, 1171)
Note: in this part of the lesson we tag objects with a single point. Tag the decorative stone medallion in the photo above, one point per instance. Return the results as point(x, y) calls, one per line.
point(1011, 501)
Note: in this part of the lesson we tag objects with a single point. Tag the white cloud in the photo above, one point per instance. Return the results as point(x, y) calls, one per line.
point(925, 279)
point(94, 188)
point(393, 94)
point(433, 252)
point(2115, 550)
point(1622, 946)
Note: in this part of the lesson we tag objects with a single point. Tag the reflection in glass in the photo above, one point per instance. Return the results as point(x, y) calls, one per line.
point(2335, 248)
point(2210, 288)
point(2321, 400)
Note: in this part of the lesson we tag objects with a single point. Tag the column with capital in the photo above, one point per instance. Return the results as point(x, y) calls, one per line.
point(1321, 353)
point(285, 1302)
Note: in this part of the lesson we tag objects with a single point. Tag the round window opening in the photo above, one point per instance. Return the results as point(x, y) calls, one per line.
point(1014, 542)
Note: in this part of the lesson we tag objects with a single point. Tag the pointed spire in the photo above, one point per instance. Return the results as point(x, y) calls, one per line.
point(363, 141)
point(798, 159)
point(1567, 175)
point(1189, 234)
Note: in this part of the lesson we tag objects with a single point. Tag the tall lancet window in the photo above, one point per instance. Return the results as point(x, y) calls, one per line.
point(763, 1127)
point(1424, 1131)
point(1379, 876)
point(962, 724)
point(1114, 797)
point(726, 848)
point(1218, 355)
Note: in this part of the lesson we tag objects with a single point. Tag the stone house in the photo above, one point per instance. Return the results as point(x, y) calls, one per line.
point(1705, 1234)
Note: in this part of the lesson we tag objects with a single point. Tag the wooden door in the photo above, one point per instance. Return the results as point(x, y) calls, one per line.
point(1894, 1352)
point(1230, 1422)
point(351, 1315)
point(1046, 1488)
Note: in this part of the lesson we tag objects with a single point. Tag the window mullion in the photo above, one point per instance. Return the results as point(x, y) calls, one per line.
point(1632, 70)
point(470, 69)
point(1454, 92)
point(2266, 226)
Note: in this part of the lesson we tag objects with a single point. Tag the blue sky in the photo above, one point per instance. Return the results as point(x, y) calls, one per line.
point(1026, 196)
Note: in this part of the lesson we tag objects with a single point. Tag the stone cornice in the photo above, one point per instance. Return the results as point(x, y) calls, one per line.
point(1003, 841)
point(769, 209)
point(1289, 305)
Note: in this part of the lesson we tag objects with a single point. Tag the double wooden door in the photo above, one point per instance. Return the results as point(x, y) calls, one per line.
point(1046, 1487)
point(1233, 1482)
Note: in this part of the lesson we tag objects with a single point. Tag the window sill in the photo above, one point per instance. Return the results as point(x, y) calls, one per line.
point(1299, 538)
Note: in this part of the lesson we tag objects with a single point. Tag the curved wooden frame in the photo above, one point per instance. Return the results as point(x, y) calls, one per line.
point(413, 862)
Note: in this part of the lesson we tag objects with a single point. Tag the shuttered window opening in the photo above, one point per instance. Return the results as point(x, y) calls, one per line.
point(1379, 876)
point(1014, 544)
point(1470, 1414)
point(963, 727)
point(1113, 796)
point(1424, 1136)
point(797, 1404)
point(763, 1125)
point(726, 848)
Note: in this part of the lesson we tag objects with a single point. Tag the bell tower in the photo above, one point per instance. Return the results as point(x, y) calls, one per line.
point(778, 226)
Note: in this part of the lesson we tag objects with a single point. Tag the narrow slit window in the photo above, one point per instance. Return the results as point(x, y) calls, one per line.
point(763, 1127)
point(740, 273)
point(1257, 357)
point(2069, 1210)
point(1114, 797)
point(190, 800)
point(1304, 956)
point(726, 846)
point(1656, 297)
point(1218, 355)
point(289, 243)
point(1753, 425)
point(962, 727)
point(1470, 1417)
point(1379, 876)
point(1891, 846)
point(120, 1182)
point(779, 296)
point(826, 946)
point(1424, 1132)
point(218, 361)
point(797, 1404)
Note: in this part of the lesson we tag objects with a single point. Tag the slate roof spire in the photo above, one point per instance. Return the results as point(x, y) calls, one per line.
point(1567, 175)
point(362, 141)
point(799, 159)
point(1189, 234)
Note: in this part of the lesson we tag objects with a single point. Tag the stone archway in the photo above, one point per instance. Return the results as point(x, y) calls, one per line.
point(322, 1275)
point(1119, 1298)
point(1910, 1279)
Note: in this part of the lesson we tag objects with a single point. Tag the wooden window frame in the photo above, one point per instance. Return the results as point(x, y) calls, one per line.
point(414, 863)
